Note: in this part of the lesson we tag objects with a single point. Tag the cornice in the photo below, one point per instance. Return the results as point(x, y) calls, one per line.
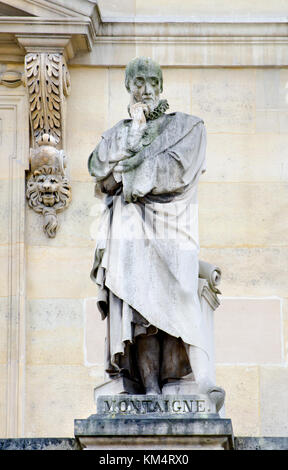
point(88, 39)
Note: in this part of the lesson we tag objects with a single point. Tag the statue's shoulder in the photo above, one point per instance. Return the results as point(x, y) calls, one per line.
point(116, 129)
point(186, 119)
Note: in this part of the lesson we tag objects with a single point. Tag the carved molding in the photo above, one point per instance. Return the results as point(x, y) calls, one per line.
point(11, 78)
point(13, 168)
point(48, 83)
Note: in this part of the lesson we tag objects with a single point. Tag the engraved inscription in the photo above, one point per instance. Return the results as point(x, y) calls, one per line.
point(143, 405)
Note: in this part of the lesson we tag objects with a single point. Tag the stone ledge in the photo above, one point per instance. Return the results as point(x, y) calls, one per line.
point(100, 425)
point(173, 432)
point(261, 443)
point(45, 443)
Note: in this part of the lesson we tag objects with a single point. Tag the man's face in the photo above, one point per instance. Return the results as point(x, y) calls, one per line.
point(145, 88)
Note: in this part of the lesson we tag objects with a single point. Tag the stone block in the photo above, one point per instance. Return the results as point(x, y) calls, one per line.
point(248, 331)
point(118, 99)
point(225, 100)
point(95, 330)
point(273, 400)
point(4, 211)
point(271, 88)
point(171, 89)
point(3, 399)
point(55, 394)
point(4, 271)
point(285, 328)
point(271, 121)
point(126, 8)
point(163, 8)
point(54, 331)
point(134, 433)
point(87, 108)
point(7, 139)
point(258, 271)
point(157, 434)
point(261, 443)
point(242, 397)
point(240, 157)
point(227, 217)
point(4, 304)
point(58, 272)
point(38, 444)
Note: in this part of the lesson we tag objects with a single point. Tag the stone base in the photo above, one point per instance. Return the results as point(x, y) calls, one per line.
point(140, 422)
point(148, 433)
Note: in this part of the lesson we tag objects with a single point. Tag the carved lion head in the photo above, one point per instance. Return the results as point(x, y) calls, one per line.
point(48, 192)
point(46, 188)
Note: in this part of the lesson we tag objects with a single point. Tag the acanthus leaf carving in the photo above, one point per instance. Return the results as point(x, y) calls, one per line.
point(48, 81)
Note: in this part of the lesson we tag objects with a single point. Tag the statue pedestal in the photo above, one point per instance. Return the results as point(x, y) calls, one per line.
point(160, 422)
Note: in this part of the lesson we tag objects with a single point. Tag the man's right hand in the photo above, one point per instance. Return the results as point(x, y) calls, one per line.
point(138, 113)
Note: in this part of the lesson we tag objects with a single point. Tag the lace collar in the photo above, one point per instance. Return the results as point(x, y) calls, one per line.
point(159, 110)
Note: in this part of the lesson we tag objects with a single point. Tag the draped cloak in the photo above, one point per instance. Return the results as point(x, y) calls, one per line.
point(146, 257)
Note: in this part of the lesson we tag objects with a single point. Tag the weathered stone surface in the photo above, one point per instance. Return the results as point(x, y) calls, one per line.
point(226, 104)
point(3, 399)
point(251, 271)
point(4, 211)
point(39, 444)
point(245, 163)
point(158, 433)
point(4, 262)
point(56, 390)
point(76, 262)
point(273, 400)
point(85, 121)
point(138, 8)
point(242, 397)
point(94, 330)
point(52, 323)
point(285, 328)
point(251, 225)
point(271, 90)
point(261, 443)
point(4, 305)
point(248, 331)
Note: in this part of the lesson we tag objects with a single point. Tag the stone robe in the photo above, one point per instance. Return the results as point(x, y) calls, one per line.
point(146, 258)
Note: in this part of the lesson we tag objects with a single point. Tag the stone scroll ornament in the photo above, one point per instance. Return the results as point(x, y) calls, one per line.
point(48, 189)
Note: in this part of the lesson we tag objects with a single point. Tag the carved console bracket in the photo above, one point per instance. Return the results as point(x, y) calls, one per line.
point(48, 83)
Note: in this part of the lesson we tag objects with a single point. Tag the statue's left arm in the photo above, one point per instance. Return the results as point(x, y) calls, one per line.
point(167, 171)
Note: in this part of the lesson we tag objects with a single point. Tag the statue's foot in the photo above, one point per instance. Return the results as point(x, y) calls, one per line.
point(217, 396)
point(155, 390)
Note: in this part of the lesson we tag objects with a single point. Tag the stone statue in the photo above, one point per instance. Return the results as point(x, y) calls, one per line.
point(146, 260)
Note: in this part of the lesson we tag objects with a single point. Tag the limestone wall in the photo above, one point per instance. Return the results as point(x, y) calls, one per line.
point(242, 206)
